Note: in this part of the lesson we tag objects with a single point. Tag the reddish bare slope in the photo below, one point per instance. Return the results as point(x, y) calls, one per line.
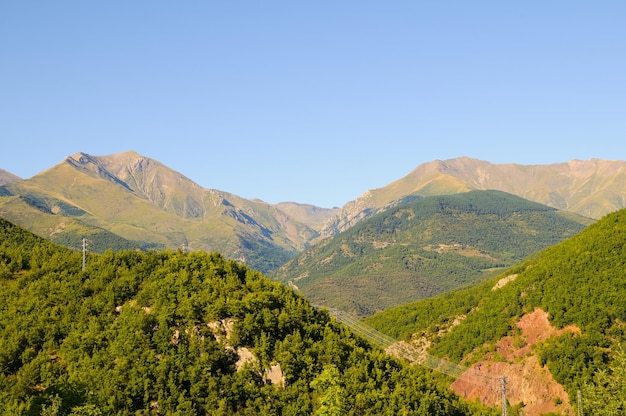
point(527, 381)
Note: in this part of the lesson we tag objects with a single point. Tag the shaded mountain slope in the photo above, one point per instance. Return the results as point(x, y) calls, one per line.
point(64, 228)
point(425, 247)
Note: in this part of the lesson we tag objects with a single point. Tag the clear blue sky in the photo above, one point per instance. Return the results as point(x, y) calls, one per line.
point(311, 101)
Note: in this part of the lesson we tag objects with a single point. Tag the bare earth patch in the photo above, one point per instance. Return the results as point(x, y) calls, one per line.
point(526, 381)
point(462, 250)
point(274, 375)
point(504, 281)
point(245, 357)
point(222, 331)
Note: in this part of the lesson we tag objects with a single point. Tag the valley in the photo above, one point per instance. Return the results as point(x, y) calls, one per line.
point(422, 248)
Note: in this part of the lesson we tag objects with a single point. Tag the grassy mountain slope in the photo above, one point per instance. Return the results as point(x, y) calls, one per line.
point(579, 283)
point(139, 199)
point(183, 333)
point(422, 248)
point(591, 188)
point(35, 214)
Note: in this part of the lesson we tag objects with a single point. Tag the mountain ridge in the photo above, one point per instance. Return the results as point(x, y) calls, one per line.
point(591, 188)
point(141, 199)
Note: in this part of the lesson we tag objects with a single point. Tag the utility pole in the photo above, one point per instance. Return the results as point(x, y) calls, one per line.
point(505, 411)
point(580, 403)
point(84, 253)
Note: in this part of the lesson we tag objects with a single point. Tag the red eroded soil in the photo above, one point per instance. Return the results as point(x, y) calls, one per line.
point(526, 380)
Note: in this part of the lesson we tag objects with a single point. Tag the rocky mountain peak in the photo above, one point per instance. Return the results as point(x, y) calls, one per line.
point(91, 165)
point(8, 177)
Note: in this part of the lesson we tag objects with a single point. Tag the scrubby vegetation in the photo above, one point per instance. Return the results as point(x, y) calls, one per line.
point(150, 333)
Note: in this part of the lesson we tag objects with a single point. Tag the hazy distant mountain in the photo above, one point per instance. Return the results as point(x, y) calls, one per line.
point(313, 216)
point(140, 199)
point(591, 188)
point(421, 248)
point(8, 177)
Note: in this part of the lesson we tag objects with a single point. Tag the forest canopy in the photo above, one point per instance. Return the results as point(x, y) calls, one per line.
point(164, 332)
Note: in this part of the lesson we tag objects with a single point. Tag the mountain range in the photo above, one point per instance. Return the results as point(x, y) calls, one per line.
point(189, 333)
point(591, 188)
point(420, 248)
point(128, 200)
point(146, 203)
point(138, 331)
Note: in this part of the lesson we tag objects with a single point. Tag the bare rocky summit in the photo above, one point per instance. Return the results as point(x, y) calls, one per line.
point(8, 177)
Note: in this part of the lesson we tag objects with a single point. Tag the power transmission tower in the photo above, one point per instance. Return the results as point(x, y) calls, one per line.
point(579, 399)
point(84, 253)
point(505, 411)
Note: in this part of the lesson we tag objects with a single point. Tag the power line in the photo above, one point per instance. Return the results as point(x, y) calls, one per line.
point(412, 354)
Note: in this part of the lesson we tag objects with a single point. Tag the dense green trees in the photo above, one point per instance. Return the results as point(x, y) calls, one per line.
point(163, 333)
point(330, 393)
point(605, 394)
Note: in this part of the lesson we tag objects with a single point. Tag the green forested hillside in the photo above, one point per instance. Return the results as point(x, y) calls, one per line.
point(422, 248)
point(580, 282)
point(166, 333)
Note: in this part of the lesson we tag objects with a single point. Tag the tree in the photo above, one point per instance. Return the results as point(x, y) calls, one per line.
point(606, 394)
point(331, 400)
point(86, 410)
point(54, 409)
